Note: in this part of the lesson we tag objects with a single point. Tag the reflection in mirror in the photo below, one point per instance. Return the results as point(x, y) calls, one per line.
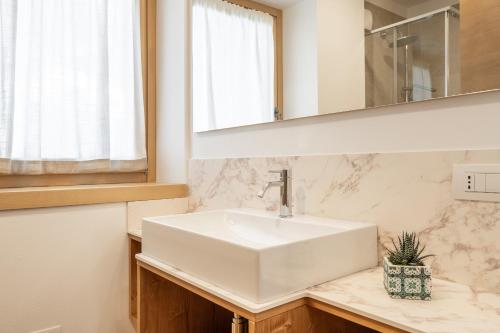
point(234, 64)
point(412, 57)
point(256, 62)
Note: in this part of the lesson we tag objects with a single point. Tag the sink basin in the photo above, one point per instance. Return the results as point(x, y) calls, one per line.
point(257, 255)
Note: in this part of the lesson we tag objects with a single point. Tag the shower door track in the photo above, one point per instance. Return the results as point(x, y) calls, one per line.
point(416, 18)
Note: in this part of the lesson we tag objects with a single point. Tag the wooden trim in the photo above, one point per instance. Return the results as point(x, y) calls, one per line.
point(13, 181)
point(58, 196)
point(279, 310)
point(148, 55)
point(305, 319)
point(139, 288)
point(134, 247)
point(278, 26)
point(353, 317)
point(149, 49)
point(256, 6)
point(144, 51)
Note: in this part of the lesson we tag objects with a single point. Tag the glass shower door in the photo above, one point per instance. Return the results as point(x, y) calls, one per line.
point(379, 69)
point(421, 59)
point(415, 60)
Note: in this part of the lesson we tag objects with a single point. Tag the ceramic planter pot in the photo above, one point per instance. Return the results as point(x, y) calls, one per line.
point(408, 282)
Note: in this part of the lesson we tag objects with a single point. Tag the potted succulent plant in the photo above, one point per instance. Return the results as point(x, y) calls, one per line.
point(405, 275)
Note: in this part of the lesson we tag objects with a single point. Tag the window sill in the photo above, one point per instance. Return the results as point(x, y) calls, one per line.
point(59, 196)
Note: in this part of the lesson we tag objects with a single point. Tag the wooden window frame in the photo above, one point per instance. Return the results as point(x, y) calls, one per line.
point(277, 15)
point(148, 54)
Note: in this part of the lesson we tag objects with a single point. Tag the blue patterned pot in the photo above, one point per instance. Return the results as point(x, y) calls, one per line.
point(408, 282)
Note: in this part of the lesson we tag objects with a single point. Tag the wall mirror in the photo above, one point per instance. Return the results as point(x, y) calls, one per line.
point(256, 62)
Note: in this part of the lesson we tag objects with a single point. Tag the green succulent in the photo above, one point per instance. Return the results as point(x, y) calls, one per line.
point(407, 252)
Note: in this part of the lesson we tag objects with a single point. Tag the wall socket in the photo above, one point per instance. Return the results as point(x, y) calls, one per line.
point(54, 329)
point(469, 182)
point(476, 182)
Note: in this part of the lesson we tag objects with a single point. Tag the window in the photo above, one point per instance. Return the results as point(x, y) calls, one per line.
point(236, 48)
point(77, 92)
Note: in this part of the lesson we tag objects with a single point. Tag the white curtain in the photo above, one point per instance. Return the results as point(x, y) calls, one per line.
point(70, 87)
point(233, 65)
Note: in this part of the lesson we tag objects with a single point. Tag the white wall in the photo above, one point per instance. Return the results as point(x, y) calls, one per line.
point(64, 266)
point(341, 55)
point(173, 126)
point(465, 122)
point(323, 57)
point(138, 210)
point(393, 6)
point(300, 63)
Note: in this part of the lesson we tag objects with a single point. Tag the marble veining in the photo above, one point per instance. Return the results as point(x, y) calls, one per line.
point(396, 191)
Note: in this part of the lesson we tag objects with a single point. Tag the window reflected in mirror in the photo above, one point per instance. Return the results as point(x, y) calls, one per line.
point(234, 65)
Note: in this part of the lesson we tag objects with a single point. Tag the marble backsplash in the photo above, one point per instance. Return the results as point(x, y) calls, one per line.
point(396, 191)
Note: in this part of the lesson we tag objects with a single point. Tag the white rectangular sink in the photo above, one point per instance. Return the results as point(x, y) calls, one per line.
point(257, 255)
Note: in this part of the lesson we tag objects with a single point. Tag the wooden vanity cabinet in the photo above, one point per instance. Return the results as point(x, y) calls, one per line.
point(162, 303)
point(134, 247)
point(168, 308)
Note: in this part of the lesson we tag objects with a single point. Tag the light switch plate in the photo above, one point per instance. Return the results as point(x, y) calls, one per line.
point(492, 183)
point(476, 182)
point(480, 182)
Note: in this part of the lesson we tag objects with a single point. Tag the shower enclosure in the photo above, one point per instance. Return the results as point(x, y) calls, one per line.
point(413, 60)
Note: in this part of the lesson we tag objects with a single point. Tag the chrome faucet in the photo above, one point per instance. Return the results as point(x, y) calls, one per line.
point(285, 184)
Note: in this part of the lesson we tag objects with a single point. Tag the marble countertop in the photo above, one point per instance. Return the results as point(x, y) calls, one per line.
point(135, 232)
point(455, 308)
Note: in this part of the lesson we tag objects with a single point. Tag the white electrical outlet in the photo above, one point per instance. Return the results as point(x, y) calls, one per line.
point(54, 329)
point(468, 182)
point(476, 182)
